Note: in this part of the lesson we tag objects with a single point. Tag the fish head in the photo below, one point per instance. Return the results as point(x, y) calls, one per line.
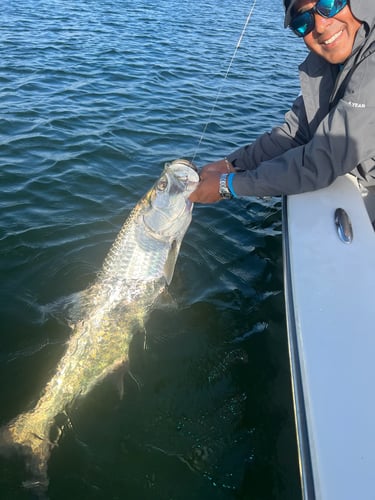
point(168, 212)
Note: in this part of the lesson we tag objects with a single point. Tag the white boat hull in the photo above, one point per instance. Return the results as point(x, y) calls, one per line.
point(330, 301)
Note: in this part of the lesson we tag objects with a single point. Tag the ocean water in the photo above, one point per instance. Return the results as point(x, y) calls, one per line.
point(95, 96)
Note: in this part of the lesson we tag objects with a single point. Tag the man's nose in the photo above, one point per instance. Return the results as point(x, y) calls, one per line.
point(321, 23)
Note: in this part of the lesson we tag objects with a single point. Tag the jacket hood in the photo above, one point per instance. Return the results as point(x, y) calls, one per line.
point(288, 6)
point(364, 10)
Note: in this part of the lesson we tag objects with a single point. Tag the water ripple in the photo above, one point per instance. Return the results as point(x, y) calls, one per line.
point(95, 97)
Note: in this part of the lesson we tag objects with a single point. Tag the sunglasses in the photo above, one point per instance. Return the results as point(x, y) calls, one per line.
point(304, 22)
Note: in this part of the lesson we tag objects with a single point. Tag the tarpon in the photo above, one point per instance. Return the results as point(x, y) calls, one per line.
point(137, 269)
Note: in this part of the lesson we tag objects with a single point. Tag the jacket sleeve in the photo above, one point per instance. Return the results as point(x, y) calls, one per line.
point(292, 133)
point(289, 162)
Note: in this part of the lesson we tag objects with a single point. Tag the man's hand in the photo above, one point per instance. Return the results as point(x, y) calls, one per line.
point(207, 190)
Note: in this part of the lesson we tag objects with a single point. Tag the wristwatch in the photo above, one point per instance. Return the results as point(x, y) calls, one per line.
point(223, 187)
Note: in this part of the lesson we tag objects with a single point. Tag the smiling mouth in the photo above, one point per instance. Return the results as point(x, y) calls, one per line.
point(333, 38)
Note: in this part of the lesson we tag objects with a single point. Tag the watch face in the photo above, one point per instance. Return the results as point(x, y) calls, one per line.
point(223, 188)
point(225, 194)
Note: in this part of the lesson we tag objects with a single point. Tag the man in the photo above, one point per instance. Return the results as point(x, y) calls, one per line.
point(330, 129)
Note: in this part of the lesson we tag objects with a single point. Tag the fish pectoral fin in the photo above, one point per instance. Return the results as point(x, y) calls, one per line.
point(136, 380)
point(170, 263)
point(166, 302)
point(78, 304)
point(118, 378)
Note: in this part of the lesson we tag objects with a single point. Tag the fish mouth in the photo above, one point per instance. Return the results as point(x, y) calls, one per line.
point(181, 162)
point(183, 170)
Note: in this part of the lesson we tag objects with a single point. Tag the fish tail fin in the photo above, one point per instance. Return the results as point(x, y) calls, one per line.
point(28, 435)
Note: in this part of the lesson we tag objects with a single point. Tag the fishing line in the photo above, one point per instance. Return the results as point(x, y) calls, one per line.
point(225, 77)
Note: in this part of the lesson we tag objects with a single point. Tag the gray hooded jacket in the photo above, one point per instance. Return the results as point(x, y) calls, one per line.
point(329, 131)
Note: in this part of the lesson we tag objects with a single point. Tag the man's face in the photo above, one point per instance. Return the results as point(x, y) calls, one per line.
point(331, 38)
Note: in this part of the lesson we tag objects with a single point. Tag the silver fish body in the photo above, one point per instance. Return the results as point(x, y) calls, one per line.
point(137, 269)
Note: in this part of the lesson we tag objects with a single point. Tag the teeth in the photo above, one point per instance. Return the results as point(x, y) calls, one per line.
point(333, 38)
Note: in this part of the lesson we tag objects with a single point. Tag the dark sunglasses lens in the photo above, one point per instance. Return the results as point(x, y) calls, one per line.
point(303, 23)
point(329, 8)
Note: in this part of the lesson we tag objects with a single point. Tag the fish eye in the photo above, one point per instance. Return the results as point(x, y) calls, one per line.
point(162, 184)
